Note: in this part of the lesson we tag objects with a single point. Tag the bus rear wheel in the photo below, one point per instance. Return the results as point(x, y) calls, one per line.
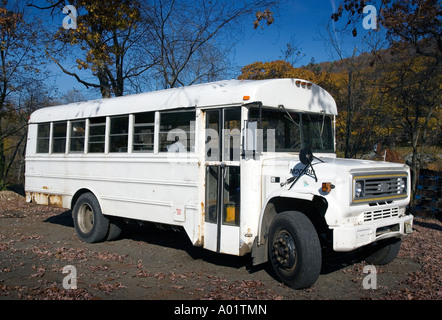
point(90, 223)
point(294, 250)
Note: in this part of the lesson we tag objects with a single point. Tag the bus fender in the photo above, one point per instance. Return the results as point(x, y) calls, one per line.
point(268, 213)
point(80, 192)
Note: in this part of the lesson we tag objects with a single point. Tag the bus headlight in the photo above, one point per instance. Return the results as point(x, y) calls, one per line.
point(359, 188)
point(402, 185)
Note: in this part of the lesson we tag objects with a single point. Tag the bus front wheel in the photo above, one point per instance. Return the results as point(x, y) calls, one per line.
point(294, 250)
point(90, 223)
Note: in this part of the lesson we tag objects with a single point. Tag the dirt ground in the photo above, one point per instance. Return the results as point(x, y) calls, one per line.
point(38, 242)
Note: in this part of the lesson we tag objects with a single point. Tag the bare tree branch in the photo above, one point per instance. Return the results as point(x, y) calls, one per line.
point(76, 76)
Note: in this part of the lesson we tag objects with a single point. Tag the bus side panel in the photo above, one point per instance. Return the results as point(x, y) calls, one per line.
point(162, 190)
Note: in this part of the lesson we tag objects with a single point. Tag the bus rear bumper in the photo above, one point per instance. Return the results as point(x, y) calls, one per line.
point(349, 238)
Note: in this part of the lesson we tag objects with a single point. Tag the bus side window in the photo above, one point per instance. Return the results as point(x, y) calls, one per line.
point(59, 137)
point(97, 132)
point(144, 125)
point(176, 131)
point(119, 127)
point(43, 131)
point(77, 136)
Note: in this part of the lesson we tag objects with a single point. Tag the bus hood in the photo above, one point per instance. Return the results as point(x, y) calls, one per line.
point(360, 165)
point(326, 167)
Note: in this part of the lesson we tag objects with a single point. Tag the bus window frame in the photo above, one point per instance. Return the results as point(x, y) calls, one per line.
point(73, 137)
point(145, 125)
point(190, 135)
point(40, 139)
point(59, 139)
point(104, 135)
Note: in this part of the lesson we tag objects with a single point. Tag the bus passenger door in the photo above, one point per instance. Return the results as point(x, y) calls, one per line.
point(222, 180)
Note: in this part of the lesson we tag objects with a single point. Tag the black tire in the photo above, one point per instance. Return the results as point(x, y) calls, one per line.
point(382, 252)
point(116, 226)
point(90, 223)
point(294, 250)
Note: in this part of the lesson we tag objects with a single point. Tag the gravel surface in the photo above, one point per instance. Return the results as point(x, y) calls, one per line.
point(38, 244)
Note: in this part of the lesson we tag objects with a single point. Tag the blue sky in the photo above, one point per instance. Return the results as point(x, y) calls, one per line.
point(298, 21)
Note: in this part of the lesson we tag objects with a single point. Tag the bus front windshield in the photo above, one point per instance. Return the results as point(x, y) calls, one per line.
point(294, 130)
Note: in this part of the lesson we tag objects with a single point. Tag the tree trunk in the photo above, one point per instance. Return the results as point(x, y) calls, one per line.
point(2, 159)
point(104, 83)
point(415, 164)
point(349, 116)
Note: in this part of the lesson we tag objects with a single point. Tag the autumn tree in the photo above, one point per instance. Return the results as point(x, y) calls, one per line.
point(31, 97)
point(412, 88)
point(267, 70)
point(18, 56)
point(413, 22)
point(355, 90)
point(105, 41)
point(192, 39)
point(137, 42)
point(281, 69)
point(346, 84)
point(414, 30)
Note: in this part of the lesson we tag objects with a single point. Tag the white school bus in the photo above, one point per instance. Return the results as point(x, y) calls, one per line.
point(241, 166)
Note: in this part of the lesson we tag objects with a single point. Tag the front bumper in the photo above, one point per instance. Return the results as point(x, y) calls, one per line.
point(349, 238)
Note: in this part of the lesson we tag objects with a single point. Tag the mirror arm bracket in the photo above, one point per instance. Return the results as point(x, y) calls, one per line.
point(306, 157)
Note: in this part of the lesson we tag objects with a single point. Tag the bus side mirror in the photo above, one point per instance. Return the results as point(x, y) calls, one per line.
point(306, 156)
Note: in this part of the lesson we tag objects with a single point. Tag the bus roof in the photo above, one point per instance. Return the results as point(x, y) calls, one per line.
point(294, 94)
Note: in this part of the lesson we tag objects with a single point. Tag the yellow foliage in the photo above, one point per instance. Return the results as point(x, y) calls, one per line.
point(8, 21)
point(279, 69)
point(382, 99)
point(98, 29)
point(267, 70)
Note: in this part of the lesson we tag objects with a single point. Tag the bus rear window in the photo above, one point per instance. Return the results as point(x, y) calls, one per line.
point(43, 135)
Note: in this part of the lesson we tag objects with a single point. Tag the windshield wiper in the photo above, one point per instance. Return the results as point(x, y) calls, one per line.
point(288, 116)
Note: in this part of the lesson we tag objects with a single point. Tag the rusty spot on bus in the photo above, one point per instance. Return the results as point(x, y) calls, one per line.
point(56, 200)
point(45, 199)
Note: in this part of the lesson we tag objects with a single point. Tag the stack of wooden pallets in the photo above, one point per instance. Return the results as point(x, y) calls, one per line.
point(429, 194)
